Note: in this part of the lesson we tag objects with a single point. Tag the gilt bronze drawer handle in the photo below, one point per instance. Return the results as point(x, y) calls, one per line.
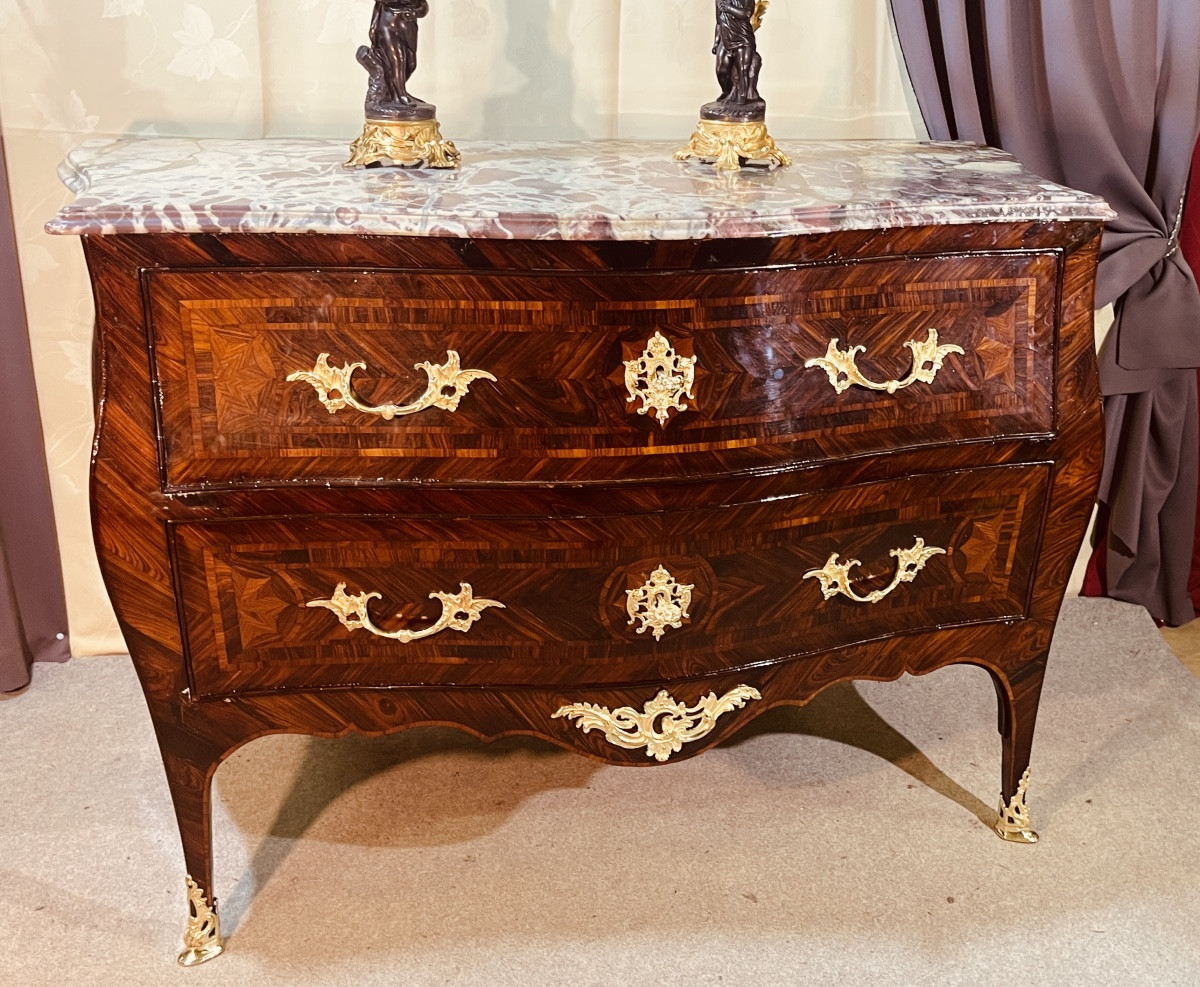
point(659, 603)
point(661, 378)
point(448, 383)
point(459, 611)
point(663, 726)
point(840, 366)
point(835, 576)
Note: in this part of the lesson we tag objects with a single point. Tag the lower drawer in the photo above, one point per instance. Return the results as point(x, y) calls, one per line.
point(286, 604)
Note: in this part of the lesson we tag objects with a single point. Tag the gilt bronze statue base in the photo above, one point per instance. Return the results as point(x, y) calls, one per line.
point(403, 143)
point(728, 146)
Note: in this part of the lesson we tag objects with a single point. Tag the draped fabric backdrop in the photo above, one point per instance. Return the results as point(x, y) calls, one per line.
point(1103, 95)
point(549, 69)
point(1189, 244)
point(33, 613)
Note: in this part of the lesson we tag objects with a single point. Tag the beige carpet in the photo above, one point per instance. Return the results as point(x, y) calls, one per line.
point(842, 844)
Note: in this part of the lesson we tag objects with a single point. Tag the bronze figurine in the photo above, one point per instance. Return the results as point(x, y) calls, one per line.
point(391, 60)
point(738, 63)
point(400, 129)
point(732, 130)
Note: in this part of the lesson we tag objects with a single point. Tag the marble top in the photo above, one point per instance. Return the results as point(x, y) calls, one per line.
point(598, 190)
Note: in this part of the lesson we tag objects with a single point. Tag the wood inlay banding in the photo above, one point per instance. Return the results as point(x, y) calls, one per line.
point(224, 500)
point(559, 408)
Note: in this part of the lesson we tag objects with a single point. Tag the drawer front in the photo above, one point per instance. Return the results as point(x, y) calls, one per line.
point(581, 378)
point(600, 600)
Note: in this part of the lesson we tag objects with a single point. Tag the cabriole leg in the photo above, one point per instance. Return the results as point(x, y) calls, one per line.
point(1018, 700)
point(190, 783)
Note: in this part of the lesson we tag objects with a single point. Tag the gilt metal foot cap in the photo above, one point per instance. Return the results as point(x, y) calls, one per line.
point(1013, 824)
point(202, 937)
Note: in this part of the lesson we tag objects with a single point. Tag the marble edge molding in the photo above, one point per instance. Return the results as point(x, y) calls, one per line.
point(302, 188)
point(586, 226)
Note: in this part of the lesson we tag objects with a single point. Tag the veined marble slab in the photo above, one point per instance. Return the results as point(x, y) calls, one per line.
point(597, 190)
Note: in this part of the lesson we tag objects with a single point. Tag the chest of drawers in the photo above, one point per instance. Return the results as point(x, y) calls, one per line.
point(580, 443)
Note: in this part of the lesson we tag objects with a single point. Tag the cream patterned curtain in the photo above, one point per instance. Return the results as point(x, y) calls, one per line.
point(545, 69)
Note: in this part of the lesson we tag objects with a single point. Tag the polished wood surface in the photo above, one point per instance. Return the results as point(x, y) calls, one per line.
point(225, 498)
point(225, 345)
point(245, 585)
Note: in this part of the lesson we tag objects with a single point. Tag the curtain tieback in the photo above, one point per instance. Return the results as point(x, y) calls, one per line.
point(1173, 239)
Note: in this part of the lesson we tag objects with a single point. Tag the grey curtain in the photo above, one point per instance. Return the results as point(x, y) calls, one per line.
point(1102, 95)
point(33, 613)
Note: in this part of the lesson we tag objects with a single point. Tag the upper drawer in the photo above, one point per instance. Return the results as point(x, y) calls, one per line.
point(593, 377)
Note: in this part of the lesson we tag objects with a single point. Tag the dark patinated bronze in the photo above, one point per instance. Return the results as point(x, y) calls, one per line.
point(738, 63)
point(391, 59)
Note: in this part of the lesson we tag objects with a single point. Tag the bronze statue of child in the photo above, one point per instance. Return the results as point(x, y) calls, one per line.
point(391, 60)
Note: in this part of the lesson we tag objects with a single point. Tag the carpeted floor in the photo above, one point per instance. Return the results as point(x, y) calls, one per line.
point(845, 843)
point(1185, 642)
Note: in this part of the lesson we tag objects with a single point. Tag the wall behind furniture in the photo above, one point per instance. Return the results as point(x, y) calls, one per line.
point(544, 69)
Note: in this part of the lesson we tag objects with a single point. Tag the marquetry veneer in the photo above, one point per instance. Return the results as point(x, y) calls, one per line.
point(244, 528)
